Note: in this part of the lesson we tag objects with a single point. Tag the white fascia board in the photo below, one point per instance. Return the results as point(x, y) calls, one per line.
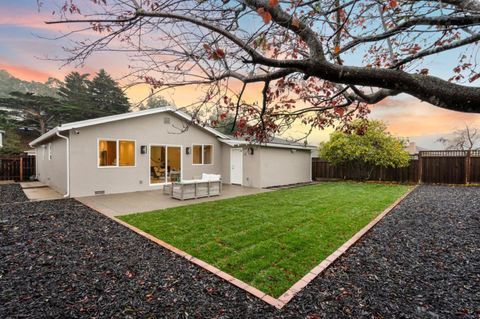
point(118, 117)
point(112, 118)
point(277, 145)
point(43, 137)
point(210, 129)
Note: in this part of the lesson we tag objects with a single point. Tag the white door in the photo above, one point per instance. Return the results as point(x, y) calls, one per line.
point(236, 166)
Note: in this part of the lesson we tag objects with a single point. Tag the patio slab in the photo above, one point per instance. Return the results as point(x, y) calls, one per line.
point(135, 202)
point(41, 193)
point(37, 191)
point(32, 184)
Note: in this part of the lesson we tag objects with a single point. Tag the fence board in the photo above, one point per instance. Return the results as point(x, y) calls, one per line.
point(323, 169)
point(475, 170)
point(436, 167)
point(18, 168)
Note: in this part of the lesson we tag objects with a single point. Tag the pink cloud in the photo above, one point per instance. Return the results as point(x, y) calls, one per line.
point(36, 20)
point(25, 73)
point(412, 117)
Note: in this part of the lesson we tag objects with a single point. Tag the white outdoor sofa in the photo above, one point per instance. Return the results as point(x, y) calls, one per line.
point(208, 185)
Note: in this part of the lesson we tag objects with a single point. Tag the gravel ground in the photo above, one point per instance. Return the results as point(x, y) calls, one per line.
point(61, 259)
point(11, 193)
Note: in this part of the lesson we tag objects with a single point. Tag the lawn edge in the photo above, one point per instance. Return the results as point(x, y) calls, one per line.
point(281, 301)
point(322, 266)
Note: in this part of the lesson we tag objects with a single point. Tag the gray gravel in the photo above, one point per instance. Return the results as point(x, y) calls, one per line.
point(11, 193)
point(61, 259)
point(421, 261)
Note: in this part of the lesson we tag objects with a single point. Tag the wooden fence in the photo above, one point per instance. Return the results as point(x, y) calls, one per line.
point(18, 168)
point(433, 167)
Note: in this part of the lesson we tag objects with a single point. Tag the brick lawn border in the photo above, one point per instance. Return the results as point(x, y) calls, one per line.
point(281, 301)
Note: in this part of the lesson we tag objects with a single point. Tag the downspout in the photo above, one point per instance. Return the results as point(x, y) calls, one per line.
point(36, 162)
point(311, 164)
point(68, 163)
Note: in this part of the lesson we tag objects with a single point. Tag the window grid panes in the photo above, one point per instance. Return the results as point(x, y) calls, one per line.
point(202, 154)
point(116, 153)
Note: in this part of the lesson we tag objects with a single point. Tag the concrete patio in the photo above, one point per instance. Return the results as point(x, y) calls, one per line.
point(135, 202)
point(37, 191)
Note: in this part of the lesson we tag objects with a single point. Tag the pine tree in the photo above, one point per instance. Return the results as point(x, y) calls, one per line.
point(106, 96)
point(154, 102)
point(36, 112)
point(11, 139)
point(74, 93)
point(11, 142)
point(224, 124)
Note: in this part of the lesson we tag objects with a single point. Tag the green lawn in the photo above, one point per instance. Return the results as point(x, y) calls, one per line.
point(271, 240)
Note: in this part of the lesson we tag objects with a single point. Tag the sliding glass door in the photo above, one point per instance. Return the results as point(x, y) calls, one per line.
point(165, 164)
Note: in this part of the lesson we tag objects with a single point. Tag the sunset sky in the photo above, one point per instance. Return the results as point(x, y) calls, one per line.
point(26, 53)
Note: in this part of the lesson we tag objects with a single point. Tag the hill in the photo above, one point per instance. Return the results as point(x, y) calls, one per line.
point(9, 83)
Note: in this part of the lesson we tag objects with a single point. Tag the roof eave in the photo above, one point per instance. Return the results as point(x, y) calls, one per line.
point(277, 145)
point(118, 117)
point(45, 136)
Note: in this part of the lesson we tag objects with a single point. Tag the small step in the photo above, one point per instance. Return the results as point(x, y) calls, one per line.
point(41, 193)
point(27, 185)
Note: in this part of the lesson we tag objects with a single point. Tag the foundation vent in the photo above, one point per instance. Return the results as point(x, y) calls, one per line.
point(99, 192)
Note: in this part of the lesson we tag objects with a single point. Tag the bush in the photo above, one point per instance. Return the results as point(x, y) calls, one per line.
point(363, 146)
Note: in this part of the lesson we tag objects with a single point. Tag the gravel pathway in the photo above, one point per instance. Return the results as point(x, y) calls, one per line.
point(61, 259)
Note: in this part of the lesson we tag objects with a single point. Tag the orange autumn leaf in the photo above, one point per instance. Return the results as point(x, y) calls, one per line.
point(295, 22)
point(337, 49)
point(339, 110)
point(393, 3)
point(266, 16)
point(273, 3)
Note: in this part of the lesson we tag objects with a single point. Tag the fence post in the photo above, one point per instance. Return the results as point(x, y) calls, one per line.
point(314, 168)
point(468, 164)
point(21, 168)
point(420, 167)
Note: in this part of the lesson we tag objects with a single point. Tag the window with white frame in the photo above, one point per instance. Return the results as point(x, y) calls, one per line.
point(50, 151)
point(116, 153)
point(126, 153)
point(202, 154)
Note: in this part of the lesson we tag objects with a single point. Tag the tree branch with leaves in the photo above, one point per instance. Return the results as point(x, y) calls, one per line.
point(302, 53)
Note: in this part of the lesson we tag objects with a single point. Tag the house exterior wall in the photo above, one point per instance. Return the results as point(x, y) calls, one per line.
point(86, 177)
point(264, 167)
point(53, 172)
point(280, 166)
point(226, 165)
point(270, 166)
point(251, 167)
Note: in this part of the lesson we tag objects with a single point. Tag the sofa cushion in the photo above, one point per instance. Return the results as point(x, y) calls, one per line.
point(211, 177)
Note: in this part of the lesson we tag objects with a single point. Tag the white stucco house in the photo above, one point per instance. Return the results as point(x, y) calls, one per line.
point(147, 149)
